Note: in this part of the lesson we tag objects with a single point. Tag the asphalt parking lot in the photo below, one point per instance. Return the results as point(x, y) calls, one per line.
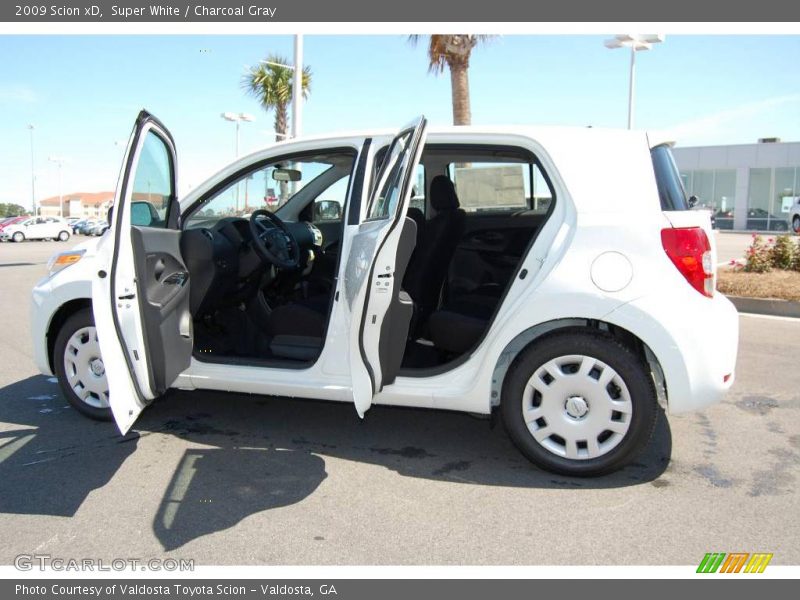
point(226, 479)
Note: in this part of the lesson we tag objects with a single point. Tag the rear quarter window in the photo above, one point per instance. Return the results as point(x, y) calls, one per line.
point(668, 179)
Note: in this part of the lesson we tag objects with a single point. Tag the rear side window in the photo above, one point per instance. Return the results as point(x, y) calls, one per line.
point(499, 186)
point(668, 179)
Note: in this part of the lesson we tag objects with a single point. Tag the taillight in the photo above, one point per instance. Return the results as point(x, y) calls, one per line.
point(690, 251)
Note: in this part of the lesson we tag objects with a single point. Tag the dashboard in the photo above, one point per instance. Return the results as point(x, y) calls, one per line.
point(223, 264)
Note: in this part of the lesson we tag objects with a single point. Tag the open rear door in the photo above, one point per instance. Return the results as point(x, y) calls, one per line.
point(140, 292)
point(377, 261)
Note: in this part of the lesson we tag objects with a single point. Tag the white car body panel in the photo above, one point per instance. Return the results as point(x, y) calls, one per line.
point(607, 201)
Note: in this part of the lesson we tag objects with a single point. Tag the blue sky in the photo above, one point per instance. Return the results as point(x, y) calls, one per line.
point(82, 93)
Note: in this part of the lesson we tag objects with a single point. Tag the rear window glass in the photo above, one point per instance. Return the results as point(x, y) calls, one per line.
point(668, 179)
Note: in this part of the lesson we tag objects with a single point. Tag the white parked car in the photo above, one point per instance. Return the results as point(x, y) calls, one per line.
point(794, 215)
point(37, 228)
point(575, 309)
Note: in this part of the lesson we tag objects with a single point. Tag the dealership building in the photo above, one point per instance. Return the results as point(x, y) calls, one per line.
point(85, 205)
point(749, 187)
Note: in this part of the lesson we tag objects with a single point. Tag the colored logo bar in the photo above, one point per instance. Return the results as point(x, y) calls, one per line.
point(734, 562)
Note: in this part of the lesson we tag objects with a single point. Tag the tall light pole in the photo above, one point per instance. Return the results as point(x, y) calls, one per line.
point(237, 118)
point(33, 175)
point(297, 88)
point(60, 162)
point(635, 43)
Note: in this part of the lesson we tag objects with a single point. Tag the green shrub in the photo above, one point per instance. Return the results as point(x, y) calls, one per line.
point(757, 258)
point(782, 254)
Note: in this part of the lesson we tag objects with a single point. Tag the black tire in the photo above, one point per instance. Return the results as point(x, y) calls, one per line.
point(81, 319)
point(796, 224)
point(63, 236)
point(631, 369)
point(18, 237)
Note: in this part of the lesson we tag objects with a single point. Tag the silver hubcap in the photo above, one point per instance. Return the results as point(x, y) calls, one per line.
point(84, 367)
point(577, 407)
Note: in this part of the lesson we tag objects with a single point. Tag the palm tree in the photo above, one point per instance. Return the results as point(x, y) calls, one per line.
point(271, 84)
point(453, 51)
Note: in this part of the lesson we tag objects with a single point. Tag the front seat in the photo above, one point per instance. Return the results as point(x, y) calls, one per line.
point(430, 262)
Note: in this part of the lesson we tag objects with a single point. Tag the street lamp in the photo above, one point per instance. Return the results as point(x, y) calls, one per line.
point(297, 88)
point(635, 43)
point(60, 162)
point(237, 118)
point(33, 175)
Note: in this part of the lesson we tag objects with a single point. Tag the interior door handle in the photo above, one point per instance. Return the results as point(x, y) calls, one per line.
point(178, 278)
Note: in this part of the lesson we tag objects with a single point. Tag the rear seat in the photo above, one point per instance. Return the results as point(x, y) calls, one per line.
point(459, 325)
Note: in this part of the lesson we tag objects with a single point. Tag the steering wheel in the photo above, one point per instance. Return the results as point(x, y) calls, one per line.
point(274, 243)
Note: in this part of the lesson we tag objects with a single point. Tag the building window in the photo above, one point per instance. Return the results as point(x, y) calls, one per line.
point(787, 190)
point(715, 191)
point(724, 194)
point(763, 207)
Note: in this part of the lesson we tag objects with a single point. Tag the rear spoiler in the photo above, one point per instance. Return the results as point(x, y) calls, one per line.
point(659, 138)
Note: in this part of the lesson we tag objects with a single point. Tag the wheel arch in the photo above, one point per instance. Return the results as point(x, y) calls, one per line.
point(542, 330)
point(64, 312)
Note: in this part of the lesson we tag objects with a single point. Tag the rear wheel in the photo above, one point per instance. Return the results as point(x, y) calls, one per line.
point(579, 403)
point(63, 236)
point(79, 366)
point(796, 224)
point(18, 237)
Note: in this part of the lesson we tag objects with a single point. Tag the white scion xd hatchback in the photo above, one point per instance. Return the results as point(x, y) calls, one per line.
point(552, 274)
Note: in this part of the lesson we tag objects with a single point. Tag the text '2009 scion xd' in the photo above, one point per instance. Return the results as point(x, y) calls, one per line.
point(552, 274)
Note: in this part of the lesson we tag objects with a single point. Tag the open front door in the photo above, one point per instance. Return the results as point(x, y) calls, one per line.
point(140, 292)
point(378, 258)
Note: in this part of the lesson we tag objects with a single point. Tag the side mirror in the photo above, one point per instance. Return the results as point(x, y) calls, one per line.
point(693, 200)
point(143, 214)
point(327, 210)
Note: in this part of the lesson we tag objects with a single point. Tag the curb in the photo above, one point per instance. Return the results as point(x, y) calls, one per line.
point(766, 306)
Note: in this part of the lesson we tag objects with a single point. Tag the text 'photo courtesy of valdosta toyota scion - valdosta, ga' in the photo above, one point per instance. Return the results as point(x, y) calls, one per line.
point(463, 268)
point(173, 589)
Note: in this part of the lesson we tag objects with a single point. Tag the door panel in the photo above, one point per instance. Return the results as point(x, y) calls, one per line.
point(162, 282)
point(396, 323)
point(377, 261)
point(140, 295)
point(490, 250)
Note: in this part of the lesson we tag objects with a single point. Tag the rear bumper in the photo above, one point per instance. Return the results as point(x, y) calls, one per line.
point(695, 340)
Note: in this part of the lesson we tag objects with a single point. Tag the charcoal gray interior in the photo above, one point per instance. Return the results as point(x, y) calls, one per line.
point(466, 258)
point(248, 309)
point(262, 287)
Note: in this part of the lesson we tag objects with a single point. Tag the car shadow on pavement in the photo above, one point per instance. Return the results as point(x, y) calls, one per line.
point(250, 454)
point(51, 457)
point(271, 453)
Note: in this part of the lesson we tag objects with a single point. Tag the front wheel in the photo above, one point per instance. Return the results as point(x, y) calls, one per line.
point(79, 366)
point(579, 403)
point(63, 236)
point(18, 237)
point(796, 224)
